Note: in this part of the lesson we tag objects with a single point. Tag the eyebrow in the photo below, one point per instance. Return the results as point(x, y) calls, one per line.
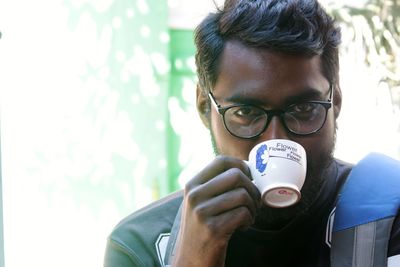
point(306, 94)
point(309, 94)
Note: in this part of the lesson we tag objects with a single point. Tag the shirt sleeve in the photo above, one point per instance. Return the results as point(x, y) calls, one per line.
point(118, 255)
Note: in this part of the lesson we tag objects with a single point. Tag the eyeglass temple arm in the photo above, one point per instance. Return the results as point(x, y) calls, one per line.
point(330, 93)
point(217, 106)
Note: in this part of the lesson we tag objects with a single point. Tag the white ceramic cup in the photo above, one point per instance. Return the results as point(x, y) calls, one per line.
point(278, 168)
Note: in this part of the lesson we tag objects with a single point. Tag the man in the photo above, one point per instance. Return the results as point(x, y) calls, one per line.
point(253, 56)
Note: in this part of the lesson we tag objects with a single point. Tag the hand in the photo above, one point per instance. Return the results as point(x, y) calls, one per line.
point(218, 201)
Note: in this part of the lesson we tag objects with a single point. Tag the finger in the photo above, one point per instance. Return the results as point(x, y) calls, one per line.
point(230, 180)
point(230, 200)
point(217, 166)
point(228, 222)
point(227, 181)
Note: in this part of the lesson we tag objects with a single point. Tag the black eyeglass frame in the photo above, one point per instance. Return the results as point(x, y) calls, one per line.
point(271, 113)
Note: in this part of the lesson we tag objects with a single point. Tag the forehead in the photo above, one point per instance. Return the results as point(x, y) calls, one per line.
point(266, 74)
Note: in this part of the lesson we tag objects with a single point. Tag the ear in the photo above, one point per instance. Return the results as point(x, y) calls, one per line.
point(203, 106)
point(337, 101)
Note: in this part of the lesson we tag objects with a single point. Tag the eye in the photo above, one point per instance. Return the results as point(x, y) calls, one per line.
point(303, 107)
point(304, 111)
point(247, 111)
point(244, 115)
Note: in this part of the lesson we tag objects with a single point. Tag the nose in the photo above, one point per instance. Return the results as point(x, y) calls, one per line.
point(275, 130)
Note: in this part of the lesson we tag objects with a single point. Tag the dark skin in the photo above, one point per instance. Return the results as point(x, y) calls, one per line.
point(221, 198)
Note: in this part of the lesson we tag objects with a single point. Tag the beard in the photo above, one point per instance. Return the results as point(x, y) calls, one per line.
point(269, 218)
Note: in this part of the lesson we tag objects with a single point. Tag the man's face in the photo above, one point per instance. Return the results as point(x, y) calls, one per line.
point(273, 81)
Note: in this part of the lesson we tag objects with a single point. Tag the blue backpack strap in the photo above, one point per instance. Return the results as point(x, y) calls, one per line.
point(365, 211)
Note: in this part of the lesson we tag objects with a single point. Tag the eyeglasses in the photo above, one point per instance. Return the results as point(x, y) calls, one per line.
point(249, 121)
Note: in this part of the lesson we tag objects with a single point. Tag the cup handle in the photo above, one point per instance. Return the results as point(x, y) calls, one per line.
point(248, 165)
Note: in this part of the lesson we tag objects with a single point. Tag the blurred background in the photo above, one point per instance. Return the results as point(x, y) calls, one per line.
point(98, 115)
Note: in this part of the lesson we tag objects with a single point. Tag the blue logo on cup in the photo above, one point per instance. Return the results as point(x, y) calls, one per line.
point(262, 158)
